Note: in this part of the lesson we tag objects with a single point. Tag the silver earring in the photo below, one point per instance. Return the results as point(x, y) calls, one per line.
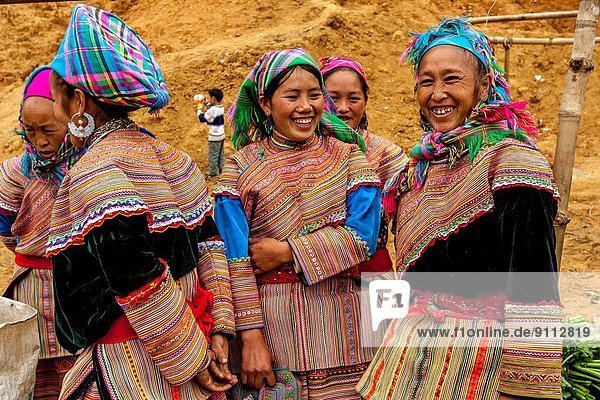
point(268, 126)
point(80, 131)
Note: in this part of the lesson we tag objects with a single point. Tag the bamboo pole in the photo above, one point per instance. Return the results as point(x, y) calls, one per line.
point(546, 41)
point(506, 59)
point(523, 17)
point(569, 114)
point(6, 2)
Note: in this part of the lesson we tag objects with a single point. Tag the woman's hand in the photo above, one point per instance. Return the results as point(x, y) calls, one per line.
point(257, 360)
point(208, 382)
point(509, 397)
point(268, 254)
point(218, 366)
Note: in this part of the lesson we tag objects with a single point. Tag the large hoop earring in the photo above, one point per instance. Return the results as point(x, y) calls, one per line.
point(80, 131)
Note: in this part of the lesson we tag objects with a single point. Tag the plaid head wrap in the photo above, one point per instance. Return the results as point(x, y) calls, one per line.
point(490, 122)
point(106, 59)
point(52, 169)
point(247, 117)
point(458, 32)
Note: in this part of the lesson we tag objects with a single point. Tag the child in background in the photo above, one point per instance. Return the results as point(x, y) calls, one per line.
point(216, 131)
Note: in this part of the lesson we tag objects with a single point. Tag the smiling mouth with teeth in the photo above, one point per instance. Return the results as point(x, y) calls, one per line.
point(442, 110)
point(303, 121)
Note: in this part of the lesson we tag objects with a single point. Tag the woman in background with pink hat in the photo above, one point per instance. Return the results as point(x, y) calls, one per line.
point(28, 186)
point(346, 82)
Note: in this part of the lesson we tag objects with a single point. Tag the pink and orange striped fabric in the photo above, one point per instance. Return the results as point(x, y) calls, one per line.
point(146, 176)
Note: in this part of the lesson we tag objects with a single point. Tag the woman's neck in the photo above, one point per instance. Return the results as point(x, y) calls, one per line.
point(282, 141)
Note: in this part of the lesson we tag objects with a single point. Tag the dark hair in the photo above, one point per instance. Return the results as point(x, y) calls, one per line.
point(110, 111)
point(363, 84)
point(216, 93)
point(480, 68)
point(284, 75)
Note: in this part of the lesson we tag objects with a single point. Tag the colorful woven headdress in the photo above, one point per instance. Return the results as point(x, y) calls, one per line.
point(247, 117)
point(106, 59)
point(458, 32)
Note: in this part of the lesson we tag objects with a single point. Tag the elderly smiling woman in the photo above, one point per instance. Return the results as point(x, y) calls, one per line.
point(477, 196)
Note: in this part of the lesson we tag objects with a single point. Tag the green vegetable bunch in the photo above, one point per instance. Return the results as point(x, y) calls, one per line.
point(581, 369)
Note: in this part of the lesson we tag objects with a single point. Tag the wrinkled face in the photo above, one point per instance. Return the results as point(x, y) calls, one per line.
point(296, 105)
point(346, 92)
point(447, 87)
point(43, 130)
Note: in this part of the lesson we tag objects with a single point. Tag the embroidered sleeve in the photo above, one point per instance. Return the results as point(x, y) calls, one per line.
point(151, 299)
point(214, 276)
point(392, 161)
point(227, 184)
point(360, 173)
point(166, 326)
point(6, 235)
point(531, 367)
point(515, 164)
point(12, 186)
point(330, 250)
point(234, 229)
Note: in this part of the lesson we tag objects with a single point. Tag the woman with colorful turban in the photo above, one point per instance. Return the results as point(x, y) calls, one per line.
point(137, 257)
point(298, 207)
point(477, 196)
point(346, 83)
point(28, 186)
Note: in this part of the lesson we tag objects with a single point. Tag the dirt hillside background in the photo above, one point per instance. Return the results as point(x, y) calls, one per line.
point(200, 44)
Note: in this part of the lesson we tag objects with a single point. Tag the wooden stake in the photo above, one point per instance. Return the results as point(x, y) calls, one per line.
point(571, 105)
point(3, 2)
point(506, 59)
point(523, 17)
point(511, 40)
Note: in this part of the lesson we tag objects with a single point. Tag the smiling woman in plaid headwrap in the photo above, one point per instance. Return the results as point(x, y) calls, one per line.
point(136, 255)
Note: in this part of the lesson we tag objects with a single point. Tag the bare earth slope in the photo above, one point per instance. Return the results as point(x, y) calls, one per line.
point(200, 44)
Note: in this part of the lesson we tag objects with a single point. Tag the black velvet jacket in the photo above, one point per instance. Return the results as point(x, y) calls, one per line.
point(516, 236)
point(117, 258)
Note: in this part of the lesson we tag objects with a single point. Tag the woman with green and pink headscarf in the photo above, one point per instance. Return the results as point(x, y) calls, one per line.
point(298, 207)
point(473, 210)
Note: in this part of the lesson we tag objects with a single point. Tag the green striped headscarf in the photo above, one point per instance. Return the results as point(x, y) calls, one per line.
point(247, 117)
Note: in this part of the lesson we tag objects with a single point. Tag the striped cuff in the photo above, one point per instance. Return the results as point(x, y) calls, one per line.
point(214, 276)
point(167, 328)
point(246, 301)
point(327, 252)
point(531, 367)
